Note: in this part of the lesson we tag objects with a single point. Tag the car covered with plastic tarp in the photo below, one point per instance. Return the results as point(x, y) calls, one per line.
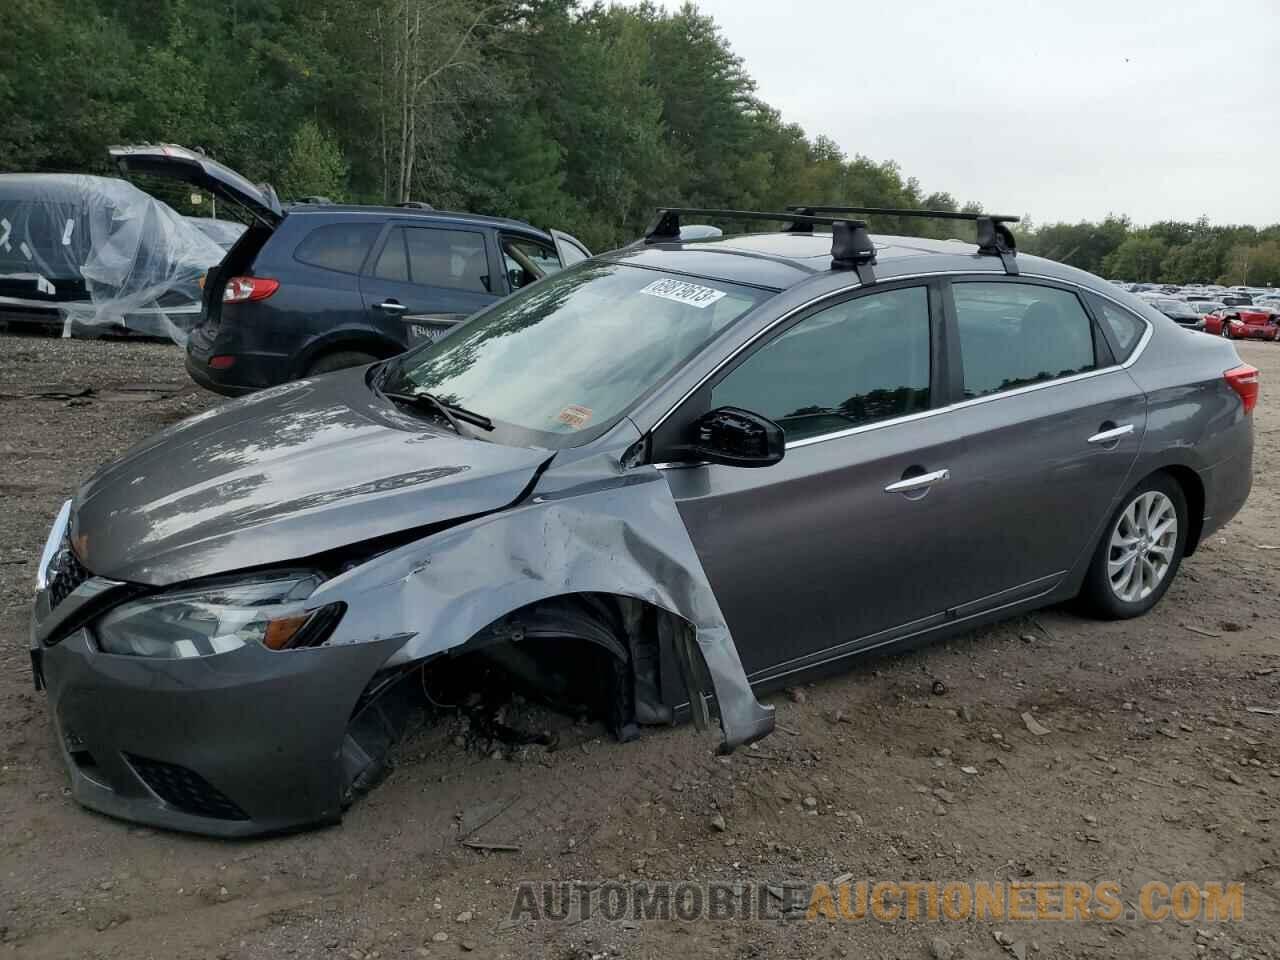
point(91, 255)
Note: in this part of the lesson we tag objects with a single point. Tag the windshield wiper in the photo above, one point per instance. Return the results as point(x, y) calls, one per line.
point(450, 411)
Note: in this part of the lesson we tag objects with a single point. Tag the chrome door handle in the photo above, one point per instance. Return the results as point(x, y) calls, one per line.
point(1112, 435)
point(391, 306)
point(917, 483)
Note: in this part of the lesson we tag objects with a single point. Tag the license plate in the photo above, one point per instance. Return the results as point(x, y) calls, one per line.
point(429, 331)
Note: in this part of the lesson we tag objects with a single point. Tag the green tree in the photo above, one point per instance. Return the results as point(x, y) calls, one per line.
point(1138, 258)
point(314, 165)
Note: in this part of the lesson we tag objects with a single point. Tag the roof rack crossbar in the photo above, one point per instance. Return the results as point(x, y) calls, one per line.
point(813, 209)
point(665, 227)
point(994, 238)
point(851, 246)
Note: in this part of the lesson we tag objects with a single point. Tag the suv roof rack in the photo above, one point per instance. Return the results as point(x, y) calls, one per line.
point(416, 205)
point(851, 246)
point(994, 238)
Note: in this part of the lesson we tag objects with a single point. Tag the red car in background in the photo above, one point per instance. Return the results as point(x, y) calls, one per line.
point(1243, 323)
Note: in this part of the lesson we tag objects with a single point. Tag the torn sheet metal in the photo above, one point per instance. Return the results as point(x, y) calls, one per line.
point(110, 254)
point(593, 528)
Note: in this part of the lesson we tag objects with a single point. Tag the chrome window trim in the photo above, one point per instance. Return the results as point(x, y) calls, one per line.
point(961, 405)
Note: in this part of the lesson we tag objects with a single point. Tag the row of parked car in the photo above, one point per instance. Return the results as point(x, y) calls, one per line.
point(298, 289)
point(1237, 313)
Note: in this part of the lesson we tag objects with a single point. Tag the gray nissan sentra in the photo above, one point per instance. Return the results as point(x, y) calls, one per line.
point(657, 483)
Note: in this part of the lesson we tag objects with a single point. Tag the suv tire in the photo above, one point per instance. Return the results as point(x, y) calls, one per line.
point(339, 360)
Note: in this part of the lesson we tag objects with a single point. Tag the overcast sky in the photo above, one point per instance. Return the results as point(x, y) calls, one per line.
point(1061, 109)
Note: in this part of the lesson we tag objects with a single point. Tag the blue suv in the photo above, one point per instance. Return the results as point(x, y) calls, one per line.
point(315, 287)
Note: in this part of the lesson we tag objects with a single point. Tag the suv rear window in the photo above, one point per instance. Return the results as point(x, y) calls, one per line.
point(338, 246)
point(341, 246)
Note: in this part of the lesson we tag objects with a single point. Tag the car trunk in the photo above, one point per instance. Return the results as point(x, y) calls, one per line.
point(258, 201)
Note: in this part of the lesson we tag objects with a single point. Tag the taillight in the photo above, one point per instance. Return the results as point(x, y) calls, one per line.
point(247, 289)
point(1244, 381)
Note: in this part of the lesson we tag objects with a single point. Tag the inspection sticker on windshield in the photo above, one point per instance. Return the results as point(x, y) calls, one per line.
point(575, 415)
point(682, 292)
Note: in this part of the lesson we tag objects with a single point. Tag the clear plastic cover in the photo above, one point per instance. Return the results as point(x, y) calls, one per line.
point(97, 253)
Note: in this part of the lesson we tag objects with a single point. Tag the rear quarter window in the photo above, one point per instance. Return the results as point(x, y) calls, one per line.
point(338, 246)
point(1123, 329)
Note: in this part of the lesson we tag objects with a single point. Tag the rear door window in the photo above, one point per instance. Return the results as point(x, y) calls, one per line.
point(854, 363)
point(1016, 334)
point(338, 246)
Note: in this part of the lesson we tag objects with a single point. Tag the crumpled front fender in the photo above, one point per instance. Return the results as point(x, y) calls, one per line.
point(603, 530)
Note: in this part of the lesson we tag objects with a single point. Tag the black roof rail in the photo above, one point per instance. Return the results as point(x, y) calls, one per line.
point(416, 205)
point(851, 246)
point(994, 238)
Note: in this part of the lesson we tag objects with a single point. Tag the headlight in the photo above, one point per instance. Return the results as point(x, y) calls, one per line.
point(217, 618)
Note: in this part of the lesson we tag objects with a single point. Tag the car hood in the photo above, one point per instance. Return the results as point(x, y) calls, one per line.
point(282, 475)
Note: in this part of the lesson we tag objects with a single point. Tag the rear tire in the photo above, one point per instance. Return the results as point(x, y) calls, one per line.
point(339, 360)
point(1226, 330)
point(1138, 554)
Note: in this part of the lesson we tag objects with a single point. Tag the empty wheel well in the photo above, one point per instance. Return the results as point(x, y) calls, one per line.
point(603, 652)
point(1193, 490)
point(581, 654)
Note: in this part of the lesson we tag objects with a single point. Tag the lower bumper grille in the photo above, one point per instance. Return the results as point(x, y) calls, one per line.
point(185, 789)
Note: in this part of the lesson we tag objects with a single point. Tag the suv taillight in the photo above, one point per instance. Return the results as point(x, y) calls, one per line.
point(246, 289)
point(1244, 381)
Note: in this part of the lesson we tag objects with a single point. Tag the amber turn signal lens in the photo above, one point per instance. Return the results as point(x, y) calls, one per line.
point(280, 632)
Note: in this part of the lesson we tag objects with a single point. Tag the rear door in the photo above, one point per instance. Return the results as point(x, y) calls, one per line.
point(1047, 427)
point(424, 279)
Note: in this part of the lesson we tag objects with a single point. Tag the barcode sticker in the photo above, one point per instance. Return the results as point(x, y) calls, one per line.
point(681, 291)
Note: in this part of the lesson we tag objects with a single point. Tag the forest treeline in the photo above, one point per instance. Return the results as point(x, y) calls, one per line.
point(579, 116)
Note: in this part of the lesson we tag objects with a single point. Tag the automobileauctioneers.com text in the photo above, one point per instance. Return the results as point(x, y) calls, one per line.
point(886, 901)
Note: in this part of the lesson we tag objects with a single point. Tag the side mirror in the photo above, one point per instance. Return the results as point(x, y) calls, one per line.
point(736, 438)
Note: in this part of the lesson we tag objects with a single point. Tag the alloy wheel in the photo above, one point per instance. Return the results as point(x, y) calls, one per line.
point(1142, 545)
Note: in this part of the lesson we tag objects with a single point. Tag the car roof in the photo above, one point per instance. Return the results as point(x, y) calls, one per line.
point(415, 213)
point(780, 261)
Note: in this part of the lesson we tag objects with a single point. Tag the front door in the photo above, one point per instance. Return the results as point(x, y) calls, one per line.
point(835, 545)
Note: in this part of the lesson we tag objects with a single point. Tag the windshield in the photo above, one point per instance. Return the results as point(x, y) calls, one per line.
point(566, 357)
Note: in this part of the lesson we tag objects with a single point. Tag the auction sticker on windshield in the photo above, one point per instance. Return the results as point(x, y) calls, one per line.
point(681, 292)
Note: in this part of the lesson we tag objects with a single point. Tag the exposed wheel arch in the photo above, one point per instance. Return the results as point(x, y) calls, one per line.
point(644, 677)
point(1193, 490)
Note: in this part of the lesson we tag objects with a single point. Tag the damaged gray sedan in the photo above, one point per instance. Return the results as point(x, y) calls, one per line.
point(655, 484)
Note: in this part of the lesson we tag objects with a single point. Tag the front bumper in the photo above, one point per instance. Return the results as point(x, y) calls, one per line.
point(236, 744)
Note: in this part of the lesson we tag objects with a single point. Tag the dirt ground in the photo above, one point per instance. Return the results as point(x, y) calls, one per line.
point(1153, 767)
